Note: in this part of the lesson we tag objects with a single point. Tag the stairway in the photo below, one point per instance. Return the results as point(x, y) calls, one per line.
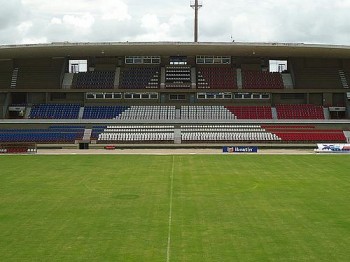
point(193, 78)
point(117, 77)
point(27, 113)
point(347, 135)
point(81, 113)
point(287, 81)
point(87, 134)
point(177, 136)
point(239, 78)
point(343, 79)
point(274, 113)
point(14, 78)
point(67, 81)
point(326, 113)
point(177, 113)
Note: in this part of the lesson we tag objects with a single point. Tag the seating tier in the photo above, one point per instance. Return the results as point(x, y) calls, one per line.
point(55, 111)
point(300, 111)
point(216, 78)
point(93, 80)
point(306, 134)
point(50, 135)
point(261, 80)
point(251, 112)
point(137, 134)
point(140, 77)
point(148, 112)
point(103, 112)
point(206, 112)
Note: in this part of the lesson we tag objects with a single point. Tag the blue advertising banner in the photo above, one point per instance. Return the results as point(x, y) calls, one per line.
point(240, 149)
point(333, 148)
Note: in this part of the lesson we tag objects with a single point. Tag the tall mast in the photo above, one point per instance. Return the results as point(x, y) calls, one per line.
point(196, 5)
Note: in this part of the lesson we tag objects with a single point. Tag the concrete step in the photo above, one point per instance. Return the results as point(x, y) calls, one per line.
point(117, 77)
point(343, 79)
point(67, 81)
point(14, 78)
point(81, 113)
point(177, 136)
point(87, 134)
point(347, 135)
point(177, 113)
point(239, 78)
point(287, 81)
point(326, 113)
point(28, 109)
point(274, 113)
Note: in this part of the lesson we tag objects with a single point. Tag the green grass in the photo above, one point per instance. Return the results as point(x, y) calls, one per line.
point(225, 208)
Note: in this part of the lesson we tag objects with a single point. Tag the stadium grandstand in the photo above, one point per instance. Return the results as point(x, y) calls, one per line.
point(174, 93)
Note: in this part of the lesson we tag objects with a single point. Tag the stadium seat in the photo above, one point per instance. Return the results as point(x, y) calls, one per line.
point(137, 134)
point(261, 80)
point(55, 111)
point(251, 112)
point(63, 134)
point(300, 111)
point(216, 78)
point(140, 78)
point(93, 80)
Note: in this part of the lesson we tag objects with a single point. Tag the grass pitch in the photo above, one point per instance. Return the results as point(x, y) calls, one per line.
point(175, 208)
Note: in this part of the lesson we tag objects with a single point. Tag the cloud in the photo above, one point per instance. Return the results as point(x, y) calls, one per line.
point(11, 14)
point(103, 9)
point(79, 22)
point(155, 20)
point(24, 27)
point(150, 22)
point(33, 40)
point(56, 21)
point(156, 28)
point(115, 10)
point(279, 21)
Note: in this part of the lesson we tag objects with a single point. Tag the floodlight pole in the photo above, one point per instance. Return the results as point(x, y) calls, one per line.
point(196, 6)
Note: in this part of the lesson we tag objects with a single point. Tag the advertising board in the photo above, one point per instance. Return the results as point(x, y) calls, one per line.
point(240, 149)
point(333, 148)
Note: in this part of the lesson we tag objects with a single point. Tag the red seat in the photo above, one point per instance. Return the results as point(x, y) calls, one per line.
point(301, 111)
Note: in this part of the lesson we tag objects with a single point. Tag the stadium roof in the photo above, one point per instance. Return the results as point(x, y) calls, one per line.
point(75, 50)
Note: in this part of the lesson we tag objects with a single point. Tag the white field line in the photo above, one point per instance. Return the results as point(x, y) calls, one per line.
point(170, 210)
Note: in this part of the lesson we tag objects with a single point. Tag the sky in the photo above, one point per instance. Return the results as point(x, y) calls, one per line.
point(287, 21)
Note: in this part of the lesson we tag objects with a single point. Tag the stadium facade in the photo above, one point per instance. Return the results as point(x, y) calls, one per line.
point(175, 92)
